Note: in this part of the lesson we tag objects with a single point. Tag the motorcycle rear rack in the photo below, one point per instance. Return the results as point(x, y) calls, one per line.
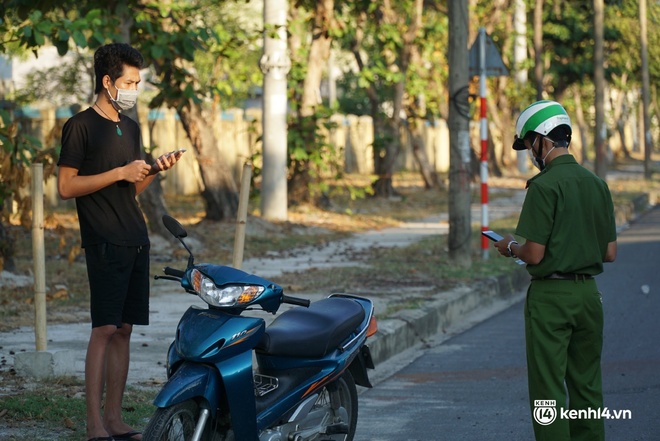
point(263, 384)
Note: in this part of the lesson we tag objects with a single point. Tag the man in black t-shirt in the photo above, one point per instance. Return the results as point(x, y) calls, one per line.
point(101, 166)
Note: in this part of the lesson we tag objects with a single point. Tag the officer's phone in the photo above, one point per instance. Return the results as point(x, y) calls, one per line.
point(492, 235)
point(496, 238)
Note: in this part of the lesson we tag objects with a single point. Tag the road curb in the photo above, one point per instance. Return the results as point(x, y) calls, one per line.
point(409, 327)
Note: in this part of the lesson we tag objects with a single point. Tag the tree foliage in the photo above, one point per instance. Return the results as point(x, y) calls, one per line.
point(204, 53)
point(197, 60)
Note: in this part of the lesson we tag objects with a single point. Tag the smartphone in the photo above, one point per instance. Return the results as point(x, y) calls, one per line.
point(492, 235)
point(176, 152)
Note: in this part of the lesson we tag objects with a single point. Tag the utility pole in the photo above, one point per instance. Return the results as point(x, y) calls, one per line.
point(648, 141)
point(519, 57)
point(599, 83)
point(460, 230)
point(275, 65)
point(538, 48)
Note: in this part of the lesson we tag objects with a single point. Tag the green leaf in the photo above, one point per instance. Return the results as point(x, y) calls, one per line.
point(99, 37)
point(62, 35)
point(299, 153)
point(79, 39)
point(156, 52)
point(39, 38)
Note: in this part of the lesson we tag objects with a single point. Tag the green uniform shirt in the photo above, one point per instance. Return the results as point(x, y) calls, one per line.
point(569, 210)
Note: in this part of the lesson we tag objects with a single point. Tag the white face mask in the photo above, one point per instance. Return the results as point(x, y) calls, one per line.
point(537, 160)
point(126, 98)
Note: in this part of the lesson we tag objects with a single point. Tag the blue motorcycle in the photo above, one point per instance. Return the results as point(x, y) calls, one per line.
point(232, 378)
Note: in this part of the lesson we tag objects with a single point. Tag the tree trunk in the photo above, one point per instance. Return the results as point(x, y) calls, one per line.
point(600, 136)
point(317, 60)
point(386, 156)
point(460, 228)
point(646, 85)
point(387, 140)
point(383, 185)
point(582, 124)
point(319, 53)
point(387, 148)
point(415, 111)
point(429, 175)
point(7, 249)
point(220, 192)
point(620, 111)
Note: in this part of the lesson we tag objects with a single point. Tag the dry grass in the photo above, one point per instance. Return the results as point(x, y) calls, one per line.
point(66, 279)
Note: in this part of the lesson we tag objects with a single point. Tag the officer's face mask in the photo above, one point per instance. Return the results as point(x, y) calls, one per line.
point(535, 157)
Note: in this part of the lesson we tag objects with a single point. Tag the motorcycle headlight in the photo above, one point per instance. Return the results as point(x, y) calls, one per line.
point(228, 296)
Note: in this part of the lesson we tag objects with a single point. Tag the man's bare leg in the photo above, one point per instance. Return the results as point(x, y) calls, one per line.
point(117, 362)
point(95, 363)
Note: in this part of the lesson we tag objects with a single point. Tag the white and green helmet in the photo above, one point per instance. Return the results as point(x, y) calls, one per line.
point(540, 117)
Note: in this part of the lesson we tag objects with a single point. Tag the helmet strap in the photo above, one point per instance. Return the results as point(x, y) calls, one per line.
point(540, 161)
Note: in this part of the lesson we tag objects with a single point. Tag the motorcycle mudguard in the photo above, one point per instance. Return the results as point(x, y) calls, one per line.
point(359, 365)
point(196, 380)
point(189, 381)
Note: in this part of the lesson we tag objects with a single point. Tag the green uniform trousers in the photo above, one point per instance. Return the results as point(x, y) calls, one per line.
point(564, 339)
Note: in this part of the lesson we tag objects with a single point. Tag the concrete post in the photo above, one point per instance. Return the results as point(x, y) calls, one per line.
point(275, 65)
point(519, 57)
point(39, 256)
point(241, 221)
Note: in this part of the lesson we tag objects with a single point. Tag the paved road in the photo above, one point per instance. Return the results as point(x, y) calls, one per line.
point(473, 386)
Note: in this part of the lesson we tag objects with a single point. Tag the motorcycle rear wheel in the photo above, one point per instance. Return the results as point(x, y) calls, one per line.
point(176, 423)
point(340, 400)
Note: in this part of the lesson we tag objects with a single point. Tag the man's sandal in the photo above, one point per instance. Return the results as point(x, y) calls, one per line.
point(128, 436)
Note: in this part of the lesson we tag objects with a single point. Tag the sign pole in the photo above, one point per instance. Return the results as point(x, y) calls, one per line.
point(484, 140)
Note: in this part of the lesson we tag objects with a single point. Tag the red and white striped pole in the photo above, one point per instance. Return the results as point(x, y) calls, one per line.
point(484, 141)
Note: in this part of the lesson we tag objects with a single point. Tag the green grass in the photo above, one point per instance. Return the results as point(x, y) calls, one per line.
point(58, 406)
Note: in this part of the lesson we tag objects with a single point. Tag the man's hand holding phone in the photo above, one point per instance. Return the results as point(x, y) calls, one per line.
point(166, 161)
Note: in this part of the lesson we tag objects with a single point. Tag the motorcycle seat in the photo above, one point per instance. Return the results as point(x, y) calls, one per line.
point(312, 332)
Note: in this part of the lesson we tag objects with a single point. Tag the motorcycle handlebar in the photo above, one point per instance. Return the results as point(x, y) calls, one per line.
point(173, 272)
point(295, 301)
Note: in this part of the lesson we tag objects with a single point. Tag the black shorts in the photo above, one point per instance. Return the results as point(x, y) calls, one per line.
point(119, 284)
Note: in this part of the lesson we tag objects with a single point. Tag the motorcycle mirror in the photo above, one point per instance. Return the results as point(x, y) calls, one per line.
point(174, 227)
point(177, 230)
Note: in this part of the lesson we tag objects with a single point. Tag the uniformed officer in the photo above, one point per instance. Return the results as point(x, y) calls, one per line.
point(568, 224)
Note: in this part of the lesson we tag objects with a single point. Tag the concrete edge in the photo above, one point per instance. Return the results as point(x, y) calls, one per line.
point(410, 327)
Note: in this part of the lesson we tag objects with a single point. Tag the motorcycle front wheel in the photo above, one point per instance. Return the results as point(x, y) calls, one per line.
point(177, 423)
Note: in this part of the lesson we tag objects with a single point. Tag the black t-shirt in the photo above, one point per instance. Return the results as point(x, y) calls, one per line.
point(91, 144)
